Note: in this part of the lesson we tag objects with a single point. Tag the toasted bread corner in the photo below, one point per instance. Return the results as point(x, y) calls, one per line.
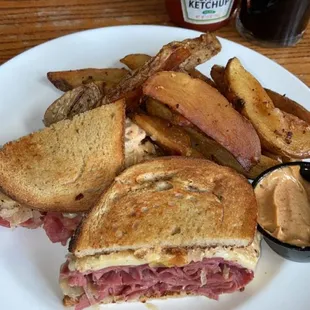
point(66, 167)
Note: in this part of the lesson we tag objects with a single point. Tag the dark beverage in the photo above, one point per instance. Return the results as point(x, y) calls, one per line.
point(273, 22)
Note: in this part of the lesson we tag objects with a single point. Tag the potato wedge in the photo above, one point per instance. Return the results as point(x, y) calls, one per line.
point(170, 138)
point(217, 74)
point(208, 147)
point(280, 101)
point(277, 157)
point(67, 80)
point(187, 141)
point(156, 108)
point(279, 132)
point(288, 105)
point(184, 55)
point(206, 108)
point(82, 98)
point(198, 75)
point(264, 163)
point(199, 141)
point(135, 61)
point(212, 150)
point(173, 56)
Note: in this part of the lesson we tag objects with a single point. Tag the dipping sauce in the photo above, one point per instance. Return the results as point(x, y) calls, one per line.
point(283, 198)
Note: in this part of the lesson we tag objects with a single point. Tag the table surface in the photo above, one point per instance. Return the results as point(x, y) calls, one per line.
point(24, 24)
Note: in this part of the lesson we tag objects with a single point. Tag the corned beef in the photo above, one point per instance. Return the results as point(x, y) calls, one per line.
point(4, 223)
point(31, 223)
point(210, 277)
point(58, 227)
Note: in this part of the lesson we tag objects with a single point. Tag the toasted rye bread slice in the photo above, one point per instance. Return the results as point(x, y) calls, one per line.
point(67, 166)
point(170, 202)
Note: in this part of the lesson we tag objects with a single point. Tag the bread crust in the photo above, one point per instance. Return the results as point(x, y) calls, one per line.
point(66, 167)
point(71, 302)
point(170, 202)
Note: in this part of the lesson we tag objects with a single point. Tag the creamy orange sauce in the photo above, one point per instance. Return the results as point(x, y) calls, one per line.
point(283, 198)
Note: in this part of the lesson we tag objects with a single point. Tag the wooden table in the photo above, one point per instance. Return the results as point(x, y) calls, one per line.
point(24, 24)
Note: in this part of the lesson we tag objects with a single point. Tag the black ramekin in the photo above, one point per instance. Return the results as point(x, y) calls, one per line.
point(288, 251)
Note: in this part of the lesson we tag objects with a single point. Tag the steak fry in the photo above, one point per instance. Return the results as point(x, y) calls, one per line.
point(280, 132)
point(280, 101)
point(207, 109)
point(174, 140)
point(135, 61)
point(175, 56)
point(82, 98)
point(67, 80)
point(179, 56)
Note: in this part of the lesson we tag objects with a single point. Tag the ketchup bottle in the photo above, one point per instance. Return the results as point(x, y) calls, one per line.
point(202, 15)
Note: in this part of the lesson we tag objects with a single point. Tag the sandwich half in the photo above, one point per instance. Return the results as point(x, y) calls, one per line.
point(59, 226)
point(52, 176)
point(173, 226)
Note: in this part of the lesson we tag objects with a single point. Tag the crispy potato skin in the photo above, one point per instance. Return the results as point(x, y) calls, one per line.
point(280, 132)
point(81, 98)
point(264, 163)
point(198, 75)
point(207, 109)
point(280, 101)
point(172, 139)
point(217, 153)
point(135, 61)
point(178, 56)
point(175, 56)
point(156, 108)
point(131, 88)
point(67, 80)
point(217, 74)
point(288, 105)
point(209, 148)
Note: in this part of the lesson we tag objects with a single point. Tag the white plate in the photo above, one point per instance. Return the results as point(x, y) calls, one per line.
point(29, 262)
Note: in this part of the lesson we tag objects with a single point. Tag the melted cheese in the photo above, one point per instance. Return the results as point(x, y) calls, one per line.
point(246, 257)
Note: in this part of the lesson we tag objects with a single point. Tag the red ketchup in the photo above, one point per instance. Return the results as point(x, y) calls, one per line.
point(201, 15)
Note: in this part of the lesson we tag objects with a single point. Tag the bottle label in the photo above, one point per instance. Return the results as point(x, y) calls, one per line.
point(206, 11)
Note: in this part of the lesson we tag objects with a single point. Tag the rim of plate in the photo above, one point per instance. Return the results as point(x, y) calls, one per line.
point(173, 28)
